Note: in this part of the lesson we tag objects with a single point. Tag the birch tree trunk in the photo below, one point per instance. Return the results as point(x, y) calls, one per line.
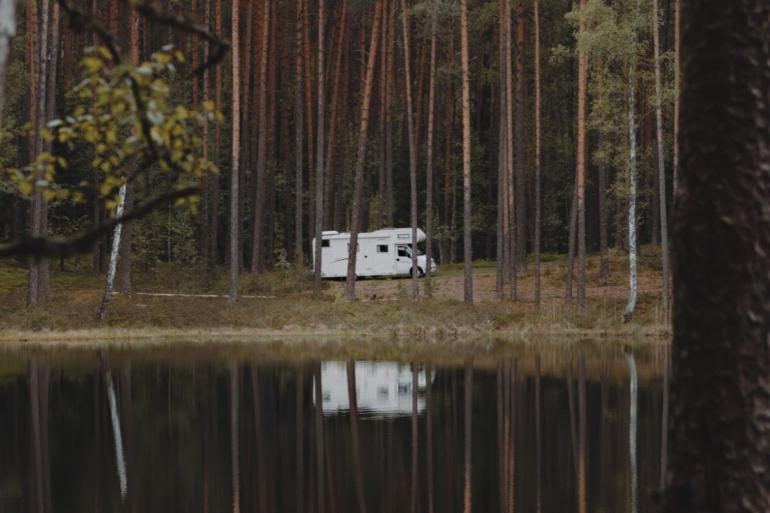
point(467, 220)
point(235, 219)
point(358, 187)
point(632, 271)
point(661, 167)
point(411, 142)
point(113, 267)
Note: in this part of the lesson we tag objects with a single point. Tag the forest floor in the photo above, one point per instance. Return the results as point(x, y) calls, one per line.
point(279, 304)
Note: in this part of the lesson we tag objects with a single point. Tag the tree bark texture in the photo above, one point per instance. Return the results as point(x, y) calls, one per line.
point(720, 388)
point(234, 179)
point(467, 220)
point(581, 162)
point(358, 188)
point(412, 143)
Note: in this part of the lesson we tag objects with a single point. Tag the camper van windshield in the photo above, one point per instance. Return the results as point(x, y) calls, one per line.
point(419, 252)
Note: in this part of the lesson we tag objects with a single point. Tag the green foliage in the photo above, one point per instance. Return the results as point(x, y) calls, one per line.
point(125, 116)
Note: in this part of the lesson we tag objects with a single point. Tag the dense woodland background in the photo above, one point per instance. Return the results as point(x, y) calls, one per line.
point(278, 49)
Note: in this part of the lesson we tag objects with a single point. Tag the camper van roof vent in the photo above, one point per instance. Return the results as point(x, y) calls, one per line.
point(330, 232)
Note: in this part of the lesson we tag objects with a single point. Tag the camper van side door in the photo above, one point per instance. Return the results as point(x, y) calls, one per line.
point(403, 259)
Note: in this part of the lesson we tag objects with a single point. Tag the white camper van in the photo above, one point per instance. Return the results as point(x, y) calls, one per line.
point(386, 252)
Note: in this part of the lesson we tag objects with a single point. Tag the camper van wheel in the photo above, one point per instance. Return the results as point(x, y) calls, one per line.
point(420, 272)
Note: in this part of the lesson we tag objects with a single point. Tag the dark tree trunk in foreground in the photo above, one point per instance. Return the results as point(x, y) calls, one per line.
point(538, 178)
point(720, 389)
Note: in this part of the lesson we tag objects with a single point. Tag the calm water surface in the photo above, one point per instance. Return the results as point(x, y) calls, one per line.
point(194, 430)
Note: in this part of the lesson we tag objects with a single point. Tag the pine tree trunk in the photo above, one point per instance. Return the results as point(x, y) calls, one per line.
point(467, 220)
point(662, 202)
point(125, 243)
point(581, 163)
point(411, 143)
point(335, 115)
point(429, 155)
point(319, 176)
point(299, 126)
point(677, 89)
point(235, 218)
point(258, 209)
point(538, 172)
point(214, 189)
point(358, 187)
point(510, 180)
point(37, 280)
point(719, 426)
point(520, 185)
point(500, 262)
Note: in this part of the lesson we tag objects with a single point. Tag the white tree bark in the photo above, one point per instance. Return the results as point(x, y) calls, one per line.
point(632, 426)
point(632, 272)
point(120, 458)
point(114, 254)
point(7, 31)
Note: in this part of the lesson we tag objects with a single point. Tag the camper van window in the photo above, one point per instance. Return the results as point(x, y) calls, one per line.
point(403, 251)
point(382, 248)
point(325, 243)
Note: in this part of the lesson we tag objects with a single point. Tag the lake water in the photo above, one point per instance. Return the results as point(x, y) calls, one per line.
point(194, 430)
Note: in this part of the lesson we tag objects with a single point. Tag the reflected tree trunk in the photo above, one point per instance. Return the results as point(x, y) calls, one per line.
point(37, 440)
point(538, 436)
point(355, 441)
point(582, 427)
point(429, 436)
point(632, 427)
point(415, 440)
point(572, 421)
point(664, 421)
point(262, 488)
point(468, 455)
point(319, 440)
point(234, 442)
point(300, 442)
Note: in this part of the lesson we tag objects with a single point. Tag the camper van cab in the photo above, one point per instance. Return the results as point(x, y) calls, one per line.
point(385, 252)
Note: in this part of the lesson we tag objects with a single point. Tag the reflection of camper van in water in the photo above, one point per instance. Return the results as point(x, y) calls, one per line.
point(386, 252)
point(382, 388)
